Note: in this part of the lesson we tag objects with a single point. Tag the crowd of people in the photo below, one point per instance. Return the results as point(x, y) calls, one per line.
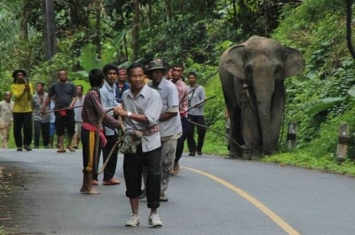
point(152, 105)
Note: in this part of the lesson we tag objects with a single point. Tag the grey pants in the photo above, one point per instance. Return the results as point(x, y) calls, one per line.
point(168, 150)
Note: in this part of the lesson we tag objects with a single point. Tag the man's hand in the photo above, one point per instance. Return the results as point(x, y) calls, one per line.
point(120, 111)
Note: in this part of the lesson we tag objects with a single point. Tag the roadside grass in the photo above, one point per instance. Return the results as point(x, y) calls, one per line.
point(2, 231)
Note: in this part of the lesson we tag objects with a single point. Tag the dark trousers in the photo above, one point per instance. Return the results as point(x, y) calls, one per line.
point(65, 122)
point(41, 128)
point(133, 167)
point(22, 121)
point(110, 169)
point(201, 133)
point(181, 140)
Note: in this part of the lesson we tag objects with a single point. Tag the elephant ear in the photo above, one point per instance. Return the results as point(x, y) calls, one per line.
point(234, 62)
point(294, 63)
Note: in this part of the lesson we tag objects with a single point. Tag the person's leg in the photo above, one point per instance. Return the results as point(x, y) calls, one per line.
point(168, 151)
point(59, 129)
point(88, 162)
point(76, 136)
point(110, 169)
point(201, 132)
point(3, 136)
point(70, 125)
point(27, 130)
point(152, 164)
point(51, 134)
point(18, 120)
point(132, 168)
point(37, 133)
point(45, 134)
point(190, 133)
point(181, 140)
point(79, 134)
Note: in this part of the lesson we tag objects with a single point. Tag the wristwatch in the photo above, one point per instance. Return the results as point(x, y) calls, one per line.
point(129, 114)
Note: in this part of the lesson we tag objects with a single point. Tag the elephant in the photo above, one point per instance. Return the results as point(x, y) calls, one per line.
point(252, 76)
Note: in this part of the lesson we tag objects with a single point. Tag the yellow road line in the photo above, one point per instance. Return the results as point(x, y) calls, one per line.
point(274, 217)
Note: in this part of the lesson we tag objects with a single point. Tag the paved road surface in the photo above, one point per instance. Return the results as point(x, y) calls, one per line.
point(210, 196)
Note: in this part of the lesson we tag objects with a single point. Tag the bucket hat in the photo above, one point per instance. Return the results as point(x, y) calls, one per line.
point(156, 64)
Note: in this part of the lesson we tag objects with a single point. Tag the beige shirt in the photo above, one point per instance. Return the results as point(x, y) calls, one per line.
point(6, 112)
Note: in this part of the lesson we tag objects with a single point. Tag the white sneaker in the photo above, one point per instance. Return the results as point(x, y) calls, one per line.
point(154, 221)
point(134, 221)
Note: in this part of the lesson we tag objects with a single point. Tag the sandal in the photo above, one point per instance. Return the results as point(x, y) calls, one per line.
point(61, 151)
point(71, 149)
point(111, 182)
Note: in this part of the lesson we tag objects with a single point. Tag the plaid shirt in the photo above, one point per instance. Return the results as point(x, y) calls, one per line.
point(93, 110)
point(183, 103)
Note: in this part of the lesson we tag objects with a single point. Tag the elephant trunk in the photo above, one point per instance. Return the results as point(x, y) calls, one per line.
point(264, 99)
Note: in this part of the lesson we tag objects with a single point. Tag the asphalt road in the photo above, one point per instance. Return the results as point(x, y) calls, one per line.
point(210, 196)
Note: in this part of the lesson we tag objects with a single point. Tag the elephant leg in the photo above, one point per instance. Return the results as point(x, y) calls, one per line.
point(235, 151)
point(251, 132)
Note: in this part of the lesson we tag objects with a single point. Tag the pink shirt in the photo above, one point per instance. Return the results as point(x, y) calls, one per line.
point(183, 103)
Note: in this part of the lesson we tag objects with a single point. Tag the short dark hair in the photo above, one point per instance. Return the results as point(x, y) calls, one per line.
point(108, 67)
point(193, 73)
point(178, 66)
point(82, 88)
point(95, 77)
point(41, 83)
point(134, 66)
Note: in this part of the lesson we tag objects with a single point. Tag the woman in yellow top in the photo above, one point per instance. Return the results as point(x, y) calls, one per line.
point(22, 91)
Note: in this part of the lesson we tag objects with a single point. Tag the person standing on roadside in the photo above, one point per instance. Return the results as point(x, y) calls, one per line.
point(195, 98)
point(64, 95)
point(177, 71)
point(169, 121)
point(41, 121)
point(108, 100)
point(22, 91)
point(141, 110)
point(121, 85)
point(78, 107)
point(6, 107)
point(92, 111)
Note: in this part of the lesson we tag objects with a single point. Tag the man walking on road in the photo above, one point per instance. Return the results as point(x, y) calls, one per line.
point(64, 94)
point(108, 100)
point(141, 110)
point(196, 97)
point(169, 121)
point(177, 71)
point(22, 91)
point(41, 122)
point(6, 107)
point(78, 107)
point(92, 111)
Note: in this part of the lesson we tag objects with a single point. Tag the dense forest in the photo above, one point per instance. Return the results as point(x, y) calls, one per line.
point(44, 36)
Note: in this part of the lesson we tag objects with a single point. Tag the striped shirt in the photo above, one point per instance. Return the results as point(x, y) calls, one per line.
point(93, 110)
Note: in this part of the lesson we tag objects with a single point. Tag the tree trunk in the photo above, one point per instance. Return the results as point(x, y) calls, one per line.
point(136, 31)
point(24, 21)
point(168, 10)
point(49, 29)
point(98, 29)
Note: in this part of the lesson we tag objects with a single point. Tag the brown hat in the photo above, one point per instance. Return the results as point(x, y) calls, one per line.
point(14, 74)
